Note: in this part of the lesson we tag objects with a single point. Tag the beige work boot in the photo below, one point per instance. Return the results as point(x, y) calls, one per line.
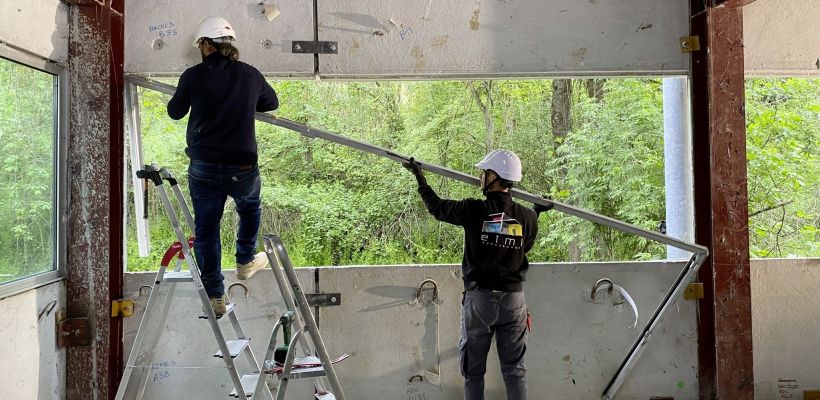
point(245, 271)
point(220, 305)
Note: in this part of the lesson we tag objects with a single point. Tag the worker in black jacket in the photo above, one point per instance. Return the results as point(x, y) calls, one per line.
point(222, 94)
point(498, 233)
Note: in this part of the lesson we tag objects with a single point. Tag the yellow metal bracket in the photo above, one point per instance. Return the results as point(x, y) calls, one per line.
point(689, 44)
point(122, 308)
point(693, 291)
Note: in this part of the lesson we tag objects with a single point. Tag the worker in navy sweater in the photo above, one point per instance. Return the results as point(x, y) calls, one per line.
point(222, 94)
point(498, 233)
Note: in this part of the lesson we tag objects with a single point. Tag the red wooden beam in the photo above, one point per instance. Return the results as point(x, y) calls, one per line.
point(721, 203)
point(94, 230)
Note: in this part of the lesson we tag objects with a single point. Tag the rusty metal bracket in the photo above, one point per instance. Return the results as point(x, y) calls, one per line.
point(314, 47)
point(324, 299)
point(122, 308)
point(689, 44)
point(73, 332)
point(694, 291)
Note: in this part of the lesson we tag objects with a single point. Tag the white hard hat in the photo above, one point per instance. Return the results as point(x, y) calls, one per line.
point(213, 28)
point(504, 162)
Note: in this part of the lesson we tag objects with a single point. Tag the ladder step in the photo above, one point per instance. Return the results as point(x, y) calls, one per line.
point(181, 276)
point(234, 347)
point(229, 310)
point(325, 396)
point(303, 373)
point(248, 385)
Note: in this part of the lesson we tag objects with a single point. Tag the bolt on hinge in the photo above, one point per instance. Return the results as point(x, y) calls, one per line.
point(689, 44)
point(122, 308)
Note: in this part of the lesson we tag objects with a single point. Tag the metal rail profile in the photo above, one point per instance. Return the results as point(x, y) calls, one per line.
point(699, 253)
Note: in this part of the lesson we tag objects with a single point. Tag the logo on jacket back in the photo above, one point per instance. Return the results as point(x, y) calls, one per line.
point(502, 231)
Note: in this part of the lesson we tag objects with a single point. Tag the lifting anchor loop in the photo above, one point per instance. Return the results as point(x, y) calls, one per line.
point(418, 299)
point(240, 284)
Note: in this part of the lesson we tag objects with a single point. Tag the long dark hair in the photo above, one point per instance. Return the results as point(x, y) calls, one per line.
point(226, 49)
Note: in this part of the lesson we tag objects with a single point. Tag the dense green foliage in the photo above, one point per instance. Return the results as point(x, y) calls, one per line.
point(26, 170)
point(335, 206)
point(783, 141)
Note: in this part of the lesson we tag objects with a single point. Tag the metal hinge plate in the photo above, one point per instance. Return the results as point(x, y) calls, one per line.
point(324, 299)
point(693, 291)
point(73, 332)
point(689, 44)
point(311, 47)
point(122, 308)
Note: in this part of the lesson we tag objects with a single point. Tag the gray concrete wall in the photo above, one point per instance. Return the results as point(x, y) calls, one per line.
point(786, 327)
point(417, 39)
point(38, 26)
point(780, 37)
point(574, 348)
point(31, 365)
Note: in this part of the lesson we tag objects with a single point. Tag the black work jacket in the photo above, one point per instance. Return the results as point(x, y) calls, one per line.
point(223, 96)
point(498, 233)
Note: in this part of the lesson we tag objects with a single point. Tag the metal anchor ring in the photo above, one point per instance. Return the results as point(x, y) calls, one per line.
point(417, 299)
point(145, 287)
point(597, 286)
point(240, 284)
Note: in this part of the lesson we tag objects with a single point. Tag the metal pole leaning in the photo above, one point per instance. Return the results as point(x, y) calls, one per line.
point(699, 253)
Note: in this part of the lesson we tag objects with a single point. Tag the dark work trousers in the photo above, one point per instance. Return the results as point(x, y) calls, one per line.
point(483, 314)
point(210, 185)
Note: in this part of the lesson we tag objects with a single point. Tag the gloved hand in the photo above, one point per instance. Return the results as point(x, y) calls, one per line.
point(413, 167)
point(539, 208)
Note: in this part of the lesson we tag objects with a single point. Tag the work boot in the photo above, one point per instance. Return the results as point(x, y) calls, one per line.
point(220, 305)
point(245, 271)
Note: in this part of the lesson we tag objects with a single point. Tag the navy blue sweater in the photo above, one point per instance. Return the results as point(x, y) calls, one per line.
point(222, 96)
point(498, 233)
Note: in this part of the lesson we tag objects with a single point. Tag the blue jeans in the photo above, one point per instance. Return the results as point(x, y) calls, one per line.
point(210, 185)
point(485, 313)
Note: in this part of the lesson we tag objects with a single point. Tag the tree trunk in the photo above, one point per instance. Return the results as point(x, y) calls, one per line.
point(486, 107)
point(595, 89)
point(561, 117)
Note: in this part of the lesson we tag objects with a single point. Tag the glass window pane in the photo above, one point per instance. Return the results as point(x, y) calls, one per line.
point(27, 168)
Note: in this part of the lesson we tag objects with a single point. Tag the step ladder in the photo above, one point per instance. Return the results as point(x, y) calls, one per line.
point(133, 386)
point(316, 363)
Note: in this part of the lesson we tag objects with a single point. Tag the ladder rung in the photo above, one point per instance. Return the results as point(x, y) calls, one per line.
point(248, 385)
point(181, 276)
point(234, 347)
point(303, 373)
point(229, 310)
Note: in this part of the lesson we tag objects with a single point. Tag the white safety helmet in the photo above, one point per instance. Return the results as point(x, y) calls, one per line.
point(504, 162)
point(214, 28)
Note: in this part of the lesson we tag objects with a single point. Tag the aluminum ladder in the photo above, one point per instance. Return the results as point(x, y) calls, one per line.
point(299, 315)
point(150, 329)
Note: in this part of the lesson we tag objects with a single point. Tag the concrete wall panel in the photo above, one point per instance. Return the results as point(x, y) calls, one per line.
point(37, 26)
point(573, 351)
point(786, 327)
point(506, 38)
point(782, 37)
point(31, 365)
point(266, 45)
